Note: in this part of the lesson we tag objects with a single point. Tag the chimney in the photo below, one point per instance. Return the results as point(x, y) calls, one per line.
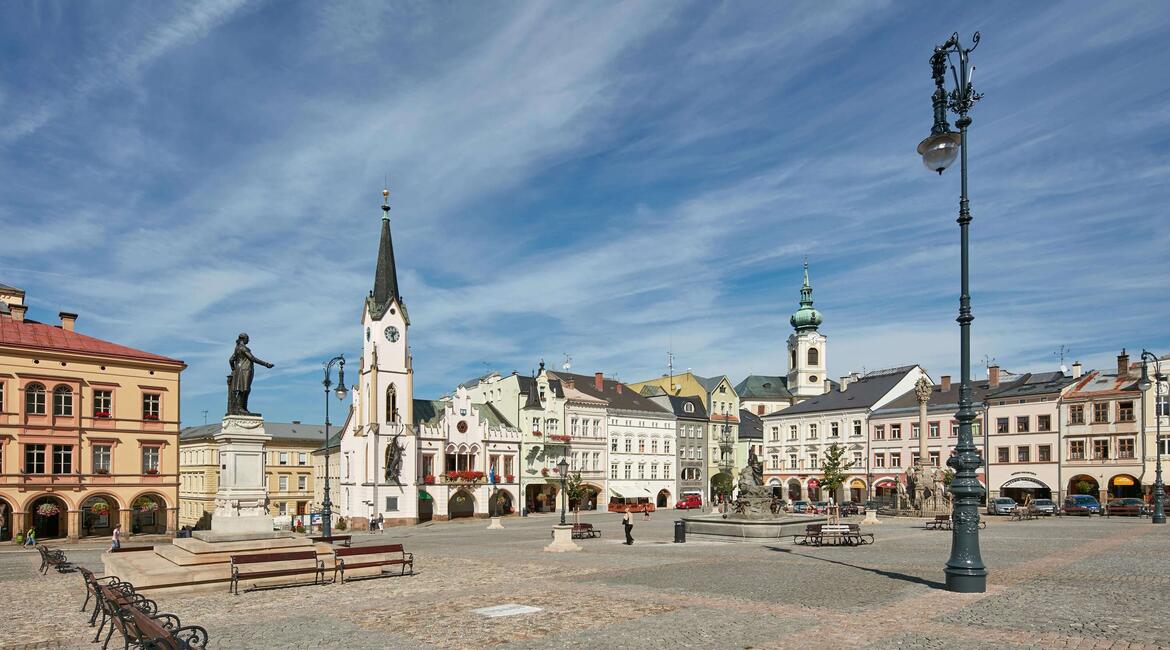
point(68, 320)
point(568, 383)
point(993, 376)
point(828, 385)
point(618, 387)
point(1077, 371)
point(1122, 364)
point(598, 381)
point(18, 312)
point(844, 383)
point(296, 421)
point(946, 383)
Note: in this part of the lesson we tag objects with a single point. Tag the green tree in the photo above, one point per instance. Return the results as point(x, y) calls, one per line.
point(948, 476)
point(576, 492)
point(833, 469)
point(721, 483)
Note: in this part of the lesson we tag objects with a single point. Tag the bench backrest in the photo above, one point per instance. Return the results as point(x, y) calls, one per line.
point(835, 528)
point(331, 538)
point(274, 557)
point(813, 528)
point(368, 550)
point(942, 517)
point(132, 549)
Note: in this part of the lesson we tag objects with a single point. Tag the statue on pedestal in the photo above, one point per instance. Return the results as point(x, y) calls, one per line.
point(240, 381)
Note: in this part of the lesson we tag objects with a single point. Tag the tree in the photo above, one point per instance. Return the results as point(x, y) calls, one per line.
point(575, 491)
point(834, 468)
point(721, 483)
point(948, 476)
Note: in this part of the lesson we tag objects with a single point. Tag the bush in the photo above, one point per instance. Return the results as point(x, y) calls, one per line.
point(300, 529)
point(341, 525)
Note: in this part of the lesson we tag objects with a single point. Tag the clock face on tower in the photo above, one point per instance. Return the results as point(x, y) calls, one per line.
point(814, 338)
point(391, 334)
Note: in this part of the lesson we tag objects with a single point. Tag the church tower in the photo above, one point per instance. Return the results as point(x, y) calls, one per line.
point(387, 375)
point(806, 347)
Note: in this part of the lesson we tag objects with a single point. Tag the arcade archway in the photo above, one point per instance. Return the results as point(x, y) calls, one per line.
point(148, 514)
point(1124, 486)
point(99, 515)
point(50, 517)
point(461, 505)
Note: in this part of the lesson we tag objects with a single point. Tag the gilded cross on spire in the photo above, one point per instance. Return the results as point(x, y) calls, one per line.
point(385, 202)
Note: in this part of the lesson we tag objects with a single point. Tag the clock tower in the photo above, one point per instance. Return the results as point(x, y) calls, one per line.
point(807, 368)
point(387, 375)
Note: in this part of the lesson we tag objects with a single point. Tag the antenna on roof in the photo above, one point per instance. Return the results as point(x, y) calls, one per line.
point(1064, 350)
point(568, 362)
point(204, 417)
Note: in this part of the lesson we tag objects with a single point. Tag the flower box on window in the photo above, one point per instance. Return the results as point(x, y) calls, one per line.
point(544, 471)
point(429, 479)
point(151, 472)
point(150, 416)
point(101, 414)
point(511, 478)
point(537, 433)
point(560, 437)
point(101, 470)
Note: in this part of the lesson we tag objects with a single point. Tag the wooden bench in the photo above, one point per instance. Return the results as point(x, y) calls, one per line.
point(131, 549)
point(581, 531)
point(55, 559)
point(833, 534)
point(306, 561)
point(163, 631)
point(332, 539)
point(111, 599)
point(1023, 514)
point(383, 551)
point(859, 537)
point(940, 522)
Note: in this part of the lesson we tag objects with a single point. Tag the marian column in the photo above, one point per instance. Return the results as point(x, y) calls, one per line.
point(922, 390)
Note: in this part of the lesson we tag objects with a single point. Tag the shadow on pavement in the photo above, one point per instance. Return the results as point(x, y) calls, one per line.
point(904, 577)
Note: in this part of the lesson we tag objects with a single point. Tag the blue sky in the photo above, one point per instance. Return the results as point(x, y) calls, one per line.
point(606, 180)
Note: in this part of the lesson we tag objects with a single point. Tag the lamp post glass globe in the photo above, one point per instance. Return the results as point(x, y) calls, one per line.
point(939, 151)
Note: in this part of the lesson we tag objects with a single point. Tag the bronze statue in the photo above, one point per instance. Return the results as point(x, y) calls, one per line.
point(394, 460)
point(240, 381)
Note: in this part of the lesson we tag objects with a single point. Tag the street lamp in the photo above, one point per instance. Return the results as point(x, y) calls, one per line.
point(563, 468)
point(964, 570)
point(1159, 514)
point(340, 392)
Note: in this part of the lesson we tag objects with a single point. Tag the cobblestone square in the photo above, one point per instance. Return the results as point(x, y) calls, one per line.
point(1054, 583)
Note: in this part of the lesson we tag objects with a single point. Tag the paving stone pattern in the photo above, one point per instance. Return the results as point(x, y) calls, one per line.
point(1055, 583)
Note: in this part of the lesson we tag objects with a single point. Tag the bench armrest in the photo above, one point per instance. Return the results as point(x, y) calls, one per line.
point(168, 621)
point(408, 557)
point(191, 636)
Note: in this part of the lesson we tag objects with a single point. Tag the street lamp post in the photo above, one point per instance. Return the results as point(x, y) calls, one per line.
point(964, 570)
point(563, 468)
point(1158, 516)
point(341, 392)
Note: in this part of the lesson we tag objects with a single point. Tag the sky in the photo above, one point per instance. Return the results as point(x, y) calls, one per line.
point(604, 180)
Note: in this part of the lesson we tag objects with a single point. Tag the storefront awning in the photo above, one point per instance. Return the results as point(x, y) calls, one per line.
point(615, 493)
point(857, 484)
point(886, 483)
point(1024, 482)
point(1122, 480)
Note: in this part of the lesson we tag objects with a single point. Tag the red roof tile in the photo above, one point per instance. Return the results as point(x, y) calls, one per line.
point(31, 334)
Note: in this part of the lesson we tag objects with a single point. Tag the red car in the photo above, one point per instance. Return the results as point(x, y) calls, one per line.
point(689, 501)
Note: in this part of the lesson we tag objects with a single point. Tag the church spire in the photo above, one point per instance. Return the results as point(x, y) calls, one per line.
point(806, 318)
point(385, 275)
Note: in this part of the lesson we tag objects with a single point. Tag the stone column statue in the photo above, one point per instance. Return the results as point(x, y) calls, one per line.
point(922, 391)
point(240, 381)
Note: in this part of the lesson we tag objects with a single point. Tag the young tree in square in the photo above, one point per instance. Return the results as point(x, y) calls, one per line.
point(576, 492)
point(833, 469)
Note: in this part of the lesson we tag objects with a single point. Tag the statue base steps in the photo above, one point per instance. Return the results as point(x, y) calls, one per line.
point(562, 540)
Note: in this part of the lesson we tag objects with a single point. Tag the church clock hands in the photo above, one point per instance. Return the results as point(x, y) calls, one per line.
point(391, 333)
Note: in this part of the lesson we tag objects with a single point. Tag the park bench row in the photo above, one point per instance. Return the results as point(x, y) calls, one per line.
point(135, 617)
point(943, 522)
point(294, 563)
point(833, 534)
point(55, 559)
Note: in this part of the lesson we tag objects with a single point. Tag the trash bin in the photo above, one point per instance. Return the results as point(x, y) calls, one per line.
point(680, 531)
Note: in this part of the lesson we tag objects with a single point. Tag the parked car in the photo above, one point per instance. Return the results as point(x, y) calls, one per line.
point(689, 501)
point(1081, 504)
point(1125, 508)
point(1044, 507)
point(801, 506)
point(1003, 506)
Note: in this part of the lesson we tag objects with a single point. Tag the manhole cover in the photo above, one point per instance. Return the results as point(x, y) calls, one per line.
point(511, 609)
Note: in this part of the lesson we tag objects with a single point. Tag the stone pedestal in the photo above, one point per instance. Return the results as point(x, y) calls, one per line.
point(870, 516)
point(562, 540)
point(241, 503)
point(495, 525)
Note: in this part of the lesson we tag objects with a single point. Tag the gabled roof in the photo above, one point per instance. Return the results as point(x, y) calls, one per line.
point(39, 336)
point(280, 432)
point(1098, 382)
point(940, 400)
point(710, 383)
point(627, 399)
point(763, 387)
point(553, 384)
point(860, 394)
point(1037, 383)
point(678, 404)
point(428, 411)
point(751, 427)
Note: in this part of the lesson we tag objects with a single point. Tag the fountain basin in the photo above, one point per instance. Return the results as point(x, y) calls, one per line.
point(749, 529)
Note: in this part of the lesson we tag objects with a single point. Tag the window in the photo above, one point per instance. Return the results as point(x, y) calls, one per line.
point(775, 461)
point(666, 446)
point(302, 458)
point(934, 458)
point(150, 406)
point(895, 433)
point(62, 459)
point(150, 460)
point(793, 433)
point(34, 459)
point(1044, 453)
point(1076, 449)
point(654, 447)
point(63, 401)
point(954, 429)
point(103, 403)
point(641, 445)
point(915, 431)
point(812, 431)
point(282, 508)
point(101, 459)
point(812, 461)
point(913, 458)
point(1023, 454)
point(1100, 450)
point(1044, 423)
point(895, 460)
point(934, 433)
point(613, 470)
point(879, 432)
point(857, 427)
point(834, 430)
point(613, 444)
point(596, 461)
point(1002, 425)
point(1003, 454)
point(879, 460)
point(814, 357)
point(573, 426)
point(629, 444)
point(654, 471)
point(775, 434)
point(1125, 448)
point(34, 399)
point(791, 461)
point(1100, 413)
point(1, 397)
point(1023, 423)
point(690, 408)
point(282, 483)
point(666, 470)
point(641, 470)
point(283, 458)
point(1164, 447)
point(1076, 414)
point(857, 459)
point(391, 504)
point(629, 470)
point(1125, 411)
point(975, 429)
point(759, 409)
point(302, 482)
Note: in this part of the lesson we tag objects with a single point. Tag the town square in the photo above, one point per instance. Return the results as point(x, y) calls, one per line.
point(614, 325)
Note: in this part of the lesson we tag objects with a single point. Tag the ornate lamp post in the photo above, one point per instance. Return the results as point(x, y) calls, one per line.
point(1158, 516)
point(563, 468)
point(341, 392)
point(964, 570)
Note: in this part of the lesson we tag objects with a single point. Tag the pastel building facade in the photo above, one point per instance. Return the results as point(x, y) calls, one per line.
point(1102, 434)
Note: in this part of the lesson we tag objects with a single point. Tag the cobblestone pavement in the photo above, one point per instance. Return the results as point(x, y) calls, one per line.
point(1054, 583)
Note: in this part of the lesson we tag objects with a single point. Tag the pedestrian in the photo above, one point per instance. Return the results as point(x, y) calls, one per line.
point(628, 524)
point(381, 524)
point(116, 538)
point(31, 538)
point(646, 513)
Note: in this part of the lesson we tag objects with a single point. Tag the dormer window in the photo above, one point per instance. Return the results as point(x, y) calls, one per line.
point(689, 408)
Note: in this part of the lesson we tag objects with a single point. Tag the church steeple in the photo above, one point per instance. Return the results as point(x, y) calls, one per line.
point(385, 275)
point(806, 318)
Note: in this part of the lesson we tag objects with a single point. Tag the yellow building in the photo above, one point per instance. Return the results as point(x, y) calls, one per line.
point(89, 431)
point(288, 471)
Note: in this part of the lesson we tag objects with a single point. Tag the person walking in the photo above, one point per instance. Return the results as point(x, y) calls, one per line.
point(31, 538)
point(116, 538)
point(381, 524)
point(628, 525)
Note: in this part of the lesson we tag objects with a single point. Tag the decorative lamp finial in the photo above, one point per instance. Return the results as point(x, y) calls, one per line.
point(385, 202)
